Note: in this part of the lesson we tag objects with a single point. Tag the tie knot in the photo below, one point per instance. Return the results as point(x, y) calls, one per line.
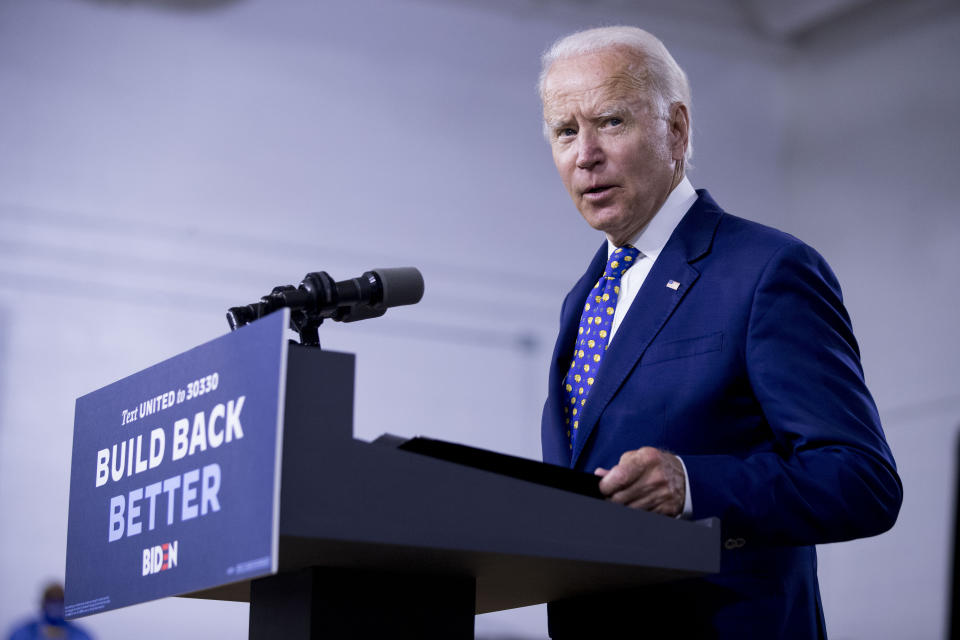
point(620, 260)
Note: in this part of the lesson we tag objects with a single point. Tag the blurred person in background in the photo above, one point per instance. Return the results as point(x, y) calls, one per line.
point(51, 623)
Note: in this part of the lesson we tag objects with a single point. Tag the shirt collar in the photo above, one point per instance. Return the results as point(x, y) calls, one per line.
point(653, 238)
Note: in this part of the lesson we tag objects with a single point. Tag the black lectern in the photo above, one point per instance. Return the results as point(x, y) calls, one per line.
point(377, 542)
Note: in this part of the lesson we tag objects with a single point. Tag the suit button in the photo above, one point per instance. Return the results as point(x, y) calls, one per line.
point(734, 543)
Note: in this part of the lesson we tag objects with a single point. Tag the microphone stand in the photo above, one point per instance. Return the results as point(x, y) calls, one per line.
point(305, 318)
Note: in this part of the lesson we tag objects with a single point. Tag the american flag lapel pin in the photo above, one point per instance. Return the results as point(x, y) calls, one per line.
point(673, 284)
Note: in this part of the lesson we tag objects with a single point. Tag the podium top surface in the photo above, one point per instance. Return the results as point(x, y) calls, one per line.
point(371, 507)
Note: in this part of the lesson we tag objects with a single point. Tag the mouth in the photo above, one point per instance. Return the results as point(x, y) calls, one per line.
point(599, 191)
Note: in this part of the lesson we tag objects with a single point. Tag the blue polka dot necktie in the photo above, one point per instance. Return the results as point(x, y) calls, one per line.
point(593, 337)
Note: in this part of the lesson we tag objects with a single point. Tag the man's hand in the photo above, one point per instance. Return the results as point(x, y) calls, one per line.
point(646, 478)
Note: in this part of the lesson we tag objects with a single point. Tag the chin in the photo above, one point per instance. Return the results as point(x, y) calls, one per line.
point(608, 223)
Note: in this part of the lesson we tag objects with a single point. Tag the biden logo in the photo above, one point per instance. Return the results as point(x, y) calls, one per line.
point(160, 557)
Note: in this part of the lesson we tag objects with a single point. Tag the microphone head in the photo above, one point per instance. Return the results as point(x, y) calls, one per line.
point(400, 285)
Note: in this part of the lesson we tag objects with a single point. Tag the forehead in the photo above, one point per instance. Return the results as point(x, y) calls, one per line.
point(589, 80)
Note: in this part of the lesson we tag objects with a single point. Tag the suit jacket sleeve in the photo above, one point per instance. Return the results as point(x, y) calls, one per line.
point(830, 475)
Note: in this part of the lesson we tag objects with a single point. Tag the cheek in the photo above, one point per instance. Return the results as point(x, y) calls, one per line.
point(643, 162)
point(564, 167)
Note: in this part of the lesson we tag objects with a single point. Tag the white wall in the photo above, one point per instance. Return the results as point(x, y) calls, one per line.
point(157, 167)
point(870, 160)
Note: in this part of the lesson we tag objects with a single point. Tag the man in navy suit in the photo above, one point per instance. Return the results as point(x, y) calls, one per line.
point(725, 380)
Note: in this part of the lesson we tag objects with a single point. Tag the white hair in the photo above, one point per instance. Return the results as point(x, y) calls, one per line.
point(659, 74)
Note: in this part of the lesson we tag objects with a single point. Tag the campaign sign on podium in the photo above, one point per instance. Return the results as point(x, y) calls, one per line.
point(174, 483)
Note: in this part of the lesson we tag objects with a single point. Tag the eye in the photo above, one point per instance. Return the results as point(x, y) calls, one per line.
point(566, 132)
point(613, 122)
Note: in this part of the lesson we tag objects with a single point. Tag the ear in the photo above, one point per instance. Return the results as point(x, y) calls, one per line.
point(679, 130)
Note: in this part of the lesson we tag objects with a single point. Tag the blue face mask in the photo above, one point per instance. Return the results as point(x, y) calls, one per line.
point(53, 612)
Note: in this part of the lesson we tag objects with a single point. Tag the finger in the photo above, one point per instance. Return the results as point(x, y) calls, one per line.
point(647, 491)
point(661, 499)
point(642, 489)
point(629, 495)
point(600, 471)
point(616, 479)
point(666, 506)
point(649, 501)
point(656, 501)
point(626, 472)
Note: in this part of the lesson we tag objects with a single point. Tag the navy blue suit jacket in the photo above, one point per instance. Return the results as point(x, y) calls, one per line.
point(750, 372)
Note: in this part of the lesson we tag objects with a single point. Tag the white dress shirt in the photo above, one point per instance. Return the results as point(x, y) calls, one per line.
point(650, 242)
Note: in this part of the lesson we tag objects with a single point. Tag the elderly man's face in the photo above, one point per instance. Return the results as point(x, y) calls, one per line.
point(616, 155)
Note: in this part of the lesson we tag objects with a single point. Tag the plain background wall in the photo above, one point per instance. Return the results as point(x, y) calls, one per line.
point(870, 157)
point(158, 166)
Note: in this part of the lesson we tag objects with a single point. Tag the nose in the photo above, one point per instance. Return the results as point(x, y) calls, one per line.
point(589, 151)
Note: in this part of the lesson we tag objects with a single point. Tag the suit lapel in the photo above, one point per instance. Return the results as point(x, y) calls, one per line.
point(563, 353)
point(653, 306)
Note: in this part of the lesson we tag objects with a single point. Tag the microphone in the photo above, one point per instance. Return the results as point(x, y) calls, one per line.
point(368, 296)
point(318, 297)
point(379, 289)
